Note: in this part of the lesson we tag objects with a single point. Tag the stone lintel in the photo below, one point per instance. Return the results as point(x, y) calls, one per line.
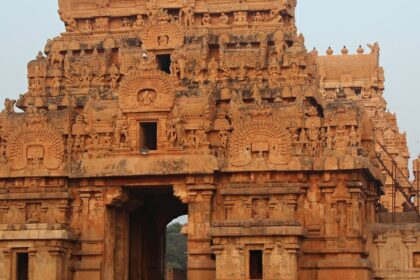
point(238, 231)
point(260, 191)
point(87, 253)
point(346, 263)
point(202, 187)
point(36, 234)
point(36, 196)
point(150, 165)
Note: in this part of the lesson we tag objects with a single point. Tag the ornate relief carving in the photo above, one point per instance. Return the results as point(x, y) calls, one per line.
point(162, 36)
point(36, 144)
point(147, 91)
point(264, 140)
point(260, 210)
point(241, 109)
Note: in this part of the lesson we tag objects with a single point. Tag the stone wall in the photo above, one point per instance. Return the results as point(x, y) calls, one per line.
point(395, 251)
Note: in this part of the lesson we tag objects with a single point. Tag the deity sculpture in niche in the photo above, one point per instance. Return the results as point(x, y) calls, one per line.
point(206, 20)
point(186, 14)
point(147, 90)
point(240, 18)
point(146, 97)
point(176, 132)
point(260, 208)
point(121, 136)
point(139, 21)
point(33, 212)
point(223, 19)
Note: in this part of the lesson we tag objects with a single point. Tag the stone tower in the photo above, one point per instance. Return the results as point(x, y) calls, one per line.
point(143, 111)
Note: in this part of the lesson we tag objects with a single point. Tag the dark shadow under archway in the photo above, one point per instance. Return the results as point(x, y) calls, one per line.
point(154, 208)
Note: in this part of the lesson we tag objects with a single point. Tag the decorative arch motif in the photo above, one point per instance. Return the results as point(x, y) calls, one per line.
point(145, 91)
point(35, 146)
point(260, 139)
point(163, 36)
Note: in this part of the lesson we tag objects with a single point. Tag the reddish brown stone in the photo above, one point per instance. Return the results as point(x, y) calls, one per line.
point(143, 111)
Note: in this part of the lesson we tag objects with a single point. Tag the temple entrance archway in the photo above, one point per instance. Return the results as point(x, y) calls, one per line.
point(140, 232)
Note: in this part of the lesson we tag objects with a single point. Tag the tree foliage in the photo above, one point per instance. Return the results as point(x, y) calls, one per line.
point(176, 247)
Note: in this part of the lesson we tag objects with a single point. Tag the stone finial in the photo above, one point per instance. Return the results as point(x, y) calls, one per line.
point(9, 105)
point(375, 48)
point(314, 52)
point(330, 51)
point(344, 50)
point(360, 50)
point(40, 55)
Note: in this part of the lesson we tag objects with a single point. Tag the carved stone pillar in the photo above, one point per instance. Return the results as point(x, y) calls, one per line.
point(113, 199)
point(292, 249)
point(200, 263)
point(85, 197)
point(31, 263)
point(327, 190)
point(370, 210)
point(356, 215)
point(109, 243)
point(218, 251)
point(380, 243)
point(410, 242)
point(5, 264)
point(57, 254)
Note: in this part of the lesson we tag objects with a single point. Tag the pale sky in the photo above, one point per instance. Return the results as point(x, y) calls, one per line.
point(25, 25)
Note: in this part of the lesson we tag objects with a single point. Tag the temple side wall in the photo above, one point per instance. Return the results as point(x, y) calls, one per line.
point(394, 250)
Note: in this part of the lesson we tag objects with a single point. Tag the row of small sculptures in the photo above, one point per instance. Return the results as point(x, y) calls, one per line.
point(185, 16)
point(50, 76)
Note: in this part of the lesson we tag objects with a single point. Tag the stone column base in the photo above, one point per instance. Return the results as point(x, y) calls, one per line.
point(201, 270)
point(357, 269)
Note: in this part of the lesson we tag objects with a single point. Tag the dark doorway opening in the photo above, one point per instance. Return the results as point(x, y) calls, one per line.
point(152, 209)
point(22, 266)
point(256, 264)
point(148, 136)
point(164, 62)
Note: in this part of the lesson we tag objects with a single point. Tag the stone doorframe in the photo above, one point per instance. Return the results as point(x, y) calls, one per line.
point(199, 199)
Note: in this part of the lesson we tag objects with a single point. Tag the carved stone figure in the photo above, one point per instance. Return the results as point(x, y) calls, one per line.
point(139, 21)
point(114, 75)
point(71, 25)
point(88, 26)
point(187, 16)
point(101, 23)
point(223, 19)
point(206, 20)
point(126, 23)
point(9, 105)
point(240, 18)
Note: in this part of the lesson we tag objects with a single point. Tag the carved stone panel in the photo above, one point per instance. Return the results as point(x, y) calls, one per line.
point(36, 147)
point(264, 140)
point(163, 36)
point(147, 91)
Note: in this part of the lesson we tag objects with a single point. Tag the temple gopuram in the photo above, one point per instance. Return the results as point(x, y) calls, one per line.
point(287, 162)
